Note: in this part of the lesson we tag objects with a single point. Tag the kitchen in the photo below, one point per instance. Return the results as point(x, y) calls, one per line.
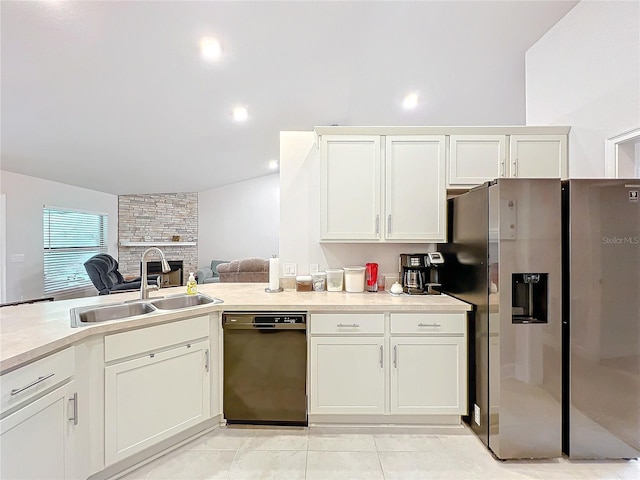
point(296, 223)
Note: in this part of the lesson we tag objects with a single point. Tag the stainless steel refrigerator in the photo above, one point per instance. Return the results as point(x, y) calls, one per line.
point(601, 318)
point(504, 257)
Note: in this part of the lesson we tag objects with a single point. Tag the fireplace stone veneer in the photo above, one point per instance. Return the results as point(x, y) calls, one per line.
point(156, 219)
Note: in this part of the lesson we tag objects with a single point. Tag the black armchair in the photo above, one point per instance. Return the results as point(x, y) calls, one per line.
point(103, 272)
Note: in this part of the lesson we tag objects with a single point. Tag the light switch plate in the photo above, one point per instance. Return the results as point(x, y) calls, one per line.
point(289, 269)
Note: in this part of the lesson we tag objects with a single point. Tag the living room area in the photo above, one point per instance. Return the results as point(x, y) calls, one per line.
point(230, 222)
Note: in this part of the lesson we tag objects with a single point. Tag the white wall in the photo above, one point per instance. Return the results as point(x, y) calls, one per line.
point(300, 216)
point(239, 220)
point(25, 197)
point(585, 72)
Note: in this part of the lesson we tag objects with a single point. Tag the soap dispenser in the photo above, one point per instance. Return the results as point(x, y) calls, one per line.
point(192, 286)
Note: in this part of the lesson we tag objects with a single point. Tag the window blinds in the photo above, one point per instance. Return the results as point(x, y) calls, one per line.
point(71, 237)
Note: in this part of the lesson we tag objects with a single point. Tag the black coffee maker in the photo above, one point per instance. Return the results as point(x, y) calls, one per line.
point(420, 274)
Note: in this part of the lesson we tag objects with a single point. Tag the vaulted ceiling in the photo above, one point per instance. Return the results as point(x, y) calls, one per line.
point(114, 96)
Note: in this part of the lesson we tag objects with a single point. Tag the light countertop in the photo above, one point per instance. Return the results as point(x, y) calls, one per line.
point(28, 332)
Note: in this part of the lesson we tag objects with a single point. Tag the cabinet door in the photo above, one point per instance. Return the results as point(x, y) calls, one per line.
point(415, 188)
point(475, 159)
point(428, 375)
point(350, 187)
point(538, 156)
point(347, 375)
point(151, 398)
point(37, 440)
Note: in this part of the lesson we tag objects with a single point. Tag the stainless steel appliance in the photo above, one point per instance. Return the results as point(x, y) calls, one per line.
point(420, 273)
point(601, 318)
point(265, 368)
point(504, 257)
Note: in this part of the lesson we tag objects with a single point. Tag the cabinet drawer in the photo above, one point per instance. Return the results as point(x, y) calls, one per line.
point(159, 337)
point(450, 323)
point(347, 323)
point(33, 379)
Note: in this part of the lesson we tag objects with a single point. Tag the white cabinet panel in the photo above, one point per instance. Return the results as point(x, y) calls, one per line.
point(30, 381)
point(475, 159)
point(428, 375)
point(538, 156)
point(154, 397)
point(415, 188)
point(428, 323)
point(37, 440)
point(396, 197)
point(350, 187)
point(347, 323)
point(347, 375)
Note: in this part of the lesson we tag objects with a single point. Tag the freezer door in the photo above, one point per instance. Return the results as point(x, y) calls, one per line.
point(603, 291)
point(525, 318)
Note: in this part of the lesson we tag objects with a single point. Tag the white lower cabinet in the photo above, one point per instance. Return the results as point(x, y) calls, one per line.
point(39, 426)
point(416, 363)
point(347, 375)
point(159, 393)
point(428, 376)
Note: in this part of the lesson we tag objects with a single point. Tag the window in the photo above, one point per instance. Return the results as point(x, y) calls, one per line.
point(71, 237)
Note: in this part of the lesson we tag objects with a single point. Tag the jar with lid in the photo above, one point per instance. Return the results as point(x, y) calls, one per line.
point(304, 283)
point(319, 280)
point(354, 279)
point(334, 280)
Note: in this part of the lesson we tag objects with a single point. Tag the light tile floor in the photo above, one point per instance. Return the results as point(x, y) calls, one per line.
point(323, 453)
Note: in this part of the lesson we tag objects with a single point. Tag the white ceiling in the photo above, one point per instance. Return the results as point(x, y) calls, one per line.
point(113, 95)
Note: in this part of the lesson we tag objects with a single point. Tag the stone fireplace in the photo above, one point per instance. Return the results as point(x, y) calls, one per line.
point(168, 221)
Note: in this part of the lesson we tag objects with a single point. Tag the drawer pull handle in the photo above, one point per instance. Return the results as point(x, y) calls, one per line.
point(429, 325)
point(354, 325)
point(16, 391)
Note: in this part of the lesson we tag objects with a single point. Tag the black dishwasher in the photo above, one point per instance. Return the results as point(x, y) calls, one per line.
point(265, 368)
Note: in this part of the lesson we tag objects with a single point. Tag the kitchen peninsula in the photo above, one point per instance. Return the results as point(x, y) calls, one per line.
point(417, 345)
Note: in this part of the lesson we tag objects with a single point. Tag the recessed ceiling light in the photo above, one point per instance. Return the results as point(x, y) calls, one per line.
point(240, 114)
point(273, 164)
point(410, 101)
point(210, 49)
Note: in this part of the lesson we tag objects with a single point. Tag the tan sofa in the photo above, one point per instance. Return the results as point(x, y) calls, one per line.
point(250, 270)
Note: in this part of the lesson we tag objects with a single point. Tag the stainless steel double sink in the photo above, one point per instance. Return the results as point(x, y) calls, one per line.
point(81, 316)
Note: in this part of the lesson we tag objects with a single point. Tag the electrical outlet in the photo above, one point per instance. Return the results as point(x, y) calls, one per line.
point(289, 269)
point(476, 414)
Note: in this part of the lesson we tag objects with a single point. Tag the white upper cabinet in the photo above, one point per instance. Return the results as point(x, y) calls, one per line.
point(415, 188)
point(350, 187)
point(538, 156)
point(475, 159)
point(370, 197)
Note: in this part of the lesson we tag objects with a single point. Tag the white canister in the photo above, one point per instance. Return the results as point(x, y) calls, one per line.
point(335, 279)
point(354, 279)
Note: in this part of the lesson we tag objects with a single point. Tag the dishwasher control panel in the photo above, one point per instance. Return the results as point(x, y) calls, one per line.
point(246, 318)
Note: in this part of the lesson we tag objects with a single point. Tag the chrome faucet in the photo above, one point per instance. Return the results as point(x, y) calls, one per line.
point(144, 288)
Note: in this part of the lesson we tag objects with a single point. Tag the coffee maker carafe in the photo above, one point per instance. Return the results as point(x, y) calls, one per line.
point(419, 273)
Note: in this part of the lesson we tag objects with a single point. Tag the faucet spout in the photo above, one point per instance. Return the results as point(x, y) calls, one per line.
point(144, 288)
